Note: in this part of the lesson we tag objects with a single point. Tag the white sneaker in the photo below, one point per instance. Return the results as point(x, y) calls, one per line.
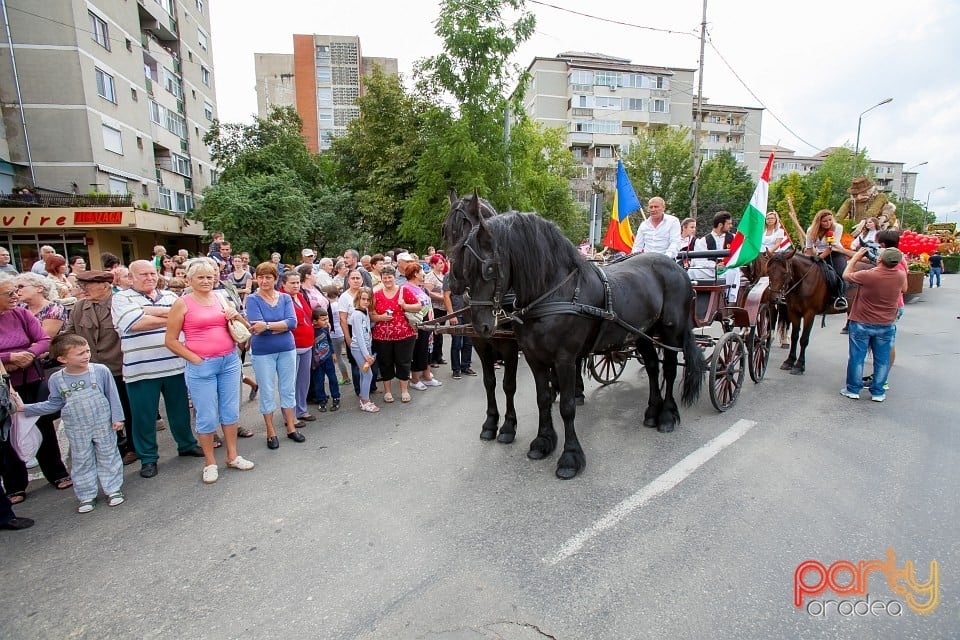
point(240, 463)
point(210, 474)
point(419, 386)
point(847, 394)
point(432, 382)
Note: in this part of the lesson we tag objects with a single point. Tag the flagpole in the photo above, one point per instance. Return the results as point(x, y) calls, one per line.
point(697, 115)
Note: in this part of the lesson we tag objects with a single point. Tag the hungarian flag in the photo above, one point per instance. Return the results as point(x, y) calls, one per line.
point(619, 234)
point(746, 244)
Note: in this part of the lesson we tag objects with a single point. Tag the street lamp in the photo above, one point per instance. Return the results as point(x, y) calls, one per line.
point(856, 150)
point(926, 207)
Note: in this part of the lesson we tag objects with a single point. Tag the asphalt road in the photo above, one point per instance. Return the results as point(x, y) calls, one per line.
point(404, 524)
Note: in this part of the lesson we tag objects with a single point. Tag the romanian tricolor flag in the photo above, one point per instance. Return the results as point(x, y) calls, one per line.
point(746, 244)
point(619, 234)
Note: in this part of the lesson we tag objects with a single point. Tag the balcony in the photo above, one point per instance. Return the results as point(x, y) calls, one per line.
point(579, 112)
point(156, 20)
point(738, 128)
point(65, 201)
point(577, 136)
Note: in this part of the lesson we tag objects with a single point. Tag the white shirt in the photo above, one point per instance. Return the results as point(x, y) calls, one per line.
point(771, 242)
point(664, 238)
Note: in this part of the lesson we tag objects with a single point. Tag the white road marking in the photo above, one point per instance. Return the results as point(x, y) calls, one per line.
point(660, 485)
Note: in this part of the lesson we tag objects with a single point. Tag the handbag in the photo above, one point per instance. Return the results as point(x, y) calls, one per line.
point(238, 330)
point(414, 319)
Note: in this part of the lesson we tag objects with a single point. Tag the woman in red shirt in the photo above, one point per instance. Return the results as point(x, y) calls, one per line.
point(393, 337)
point(302, 341)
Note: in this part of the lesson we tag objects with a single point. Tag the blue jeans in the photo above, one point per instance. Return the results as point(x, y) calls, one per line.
point(461, 352)
point(271, 367)
point(214, 386)
point(935, 271)
point(877, 338)
point(326, 369)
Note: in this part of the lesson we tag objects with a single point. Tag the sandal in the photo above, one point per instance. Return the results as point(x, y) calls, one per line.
point(87, 506)
point(17, 497)
point(369, 407)
point(388, 397)
point(63, 483)
point(243, 432)
point(217, 441)
point(404, 397)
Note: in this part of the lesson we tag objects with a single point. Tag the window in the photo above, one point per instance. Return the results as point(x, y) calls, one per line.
point(325, 96)
point(607, 78)
point(214, 176)
point(172, 83)
point(635, 80)
point(659, 106)
point(166, 202)
point(207, 110)
point(175, 123)
point(112, 140)
point(117, 186)
point(166, 4)
point(190, 56)
point(636, 104)
point(205, 75)
point(139, 142)
point(325, 117)
point(324, 74)
point(184, 202)
point(129, 44)
point(581, 77)
point(99, 30)
point(202, 39)
point(323, 52)
point(661, 83)
point(156, 112)
point(179, 164)
point(577, 153)
point(200, 6)
point(604, 152)
point(606, 102)
point(596, 126)
point(105, 87)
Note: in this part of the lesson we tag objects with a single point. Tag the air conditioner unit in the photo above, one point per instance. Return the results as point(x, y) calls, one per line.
point(613, 87)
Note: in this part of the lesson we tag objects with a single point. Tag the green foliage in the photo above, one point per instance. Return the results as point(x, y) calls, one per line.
point(824, 196)
point(725, 185)
point(659, 165)
point(837, 169)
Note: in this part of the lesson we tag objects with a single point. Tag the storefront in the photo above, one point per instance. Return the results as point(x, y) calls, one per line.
point(125, 231)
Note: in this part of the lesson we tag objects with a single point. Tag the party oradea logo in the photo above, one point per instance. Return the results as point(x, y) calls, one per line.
point(850, 582)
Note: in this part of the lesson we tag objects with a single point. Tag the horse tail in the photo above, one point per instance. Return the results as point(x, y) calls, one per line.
point(694, 368)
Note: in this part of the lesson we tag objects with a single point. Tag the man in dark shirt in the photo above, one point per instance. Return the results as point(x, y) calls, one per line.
point(936, 268)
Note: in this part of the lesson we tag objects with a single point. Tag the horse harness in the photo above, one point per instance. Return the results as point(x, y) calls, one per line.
point(492, 269)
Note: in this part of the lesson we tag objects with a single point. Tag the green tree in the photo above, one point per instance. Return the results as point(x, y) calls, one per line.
point(725, 185)
point(377, 158)
point(658, 164)
point(836, 169)
point(273, 193)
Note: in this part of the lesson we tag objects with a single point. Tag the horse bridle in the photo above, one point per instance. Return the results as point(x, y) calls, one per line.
point(490, 269)
point(780, 296)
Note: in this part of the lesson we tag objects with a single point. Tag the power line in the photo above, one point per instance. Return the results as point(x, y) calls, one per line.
point(612, 21)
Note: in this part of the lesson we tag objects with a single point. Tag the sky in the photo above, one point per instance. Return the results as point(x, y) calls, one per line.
point(815, 65)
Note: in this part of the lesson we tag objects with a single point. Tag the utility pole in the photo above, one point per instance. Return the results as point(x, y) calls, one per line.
point(697, 115)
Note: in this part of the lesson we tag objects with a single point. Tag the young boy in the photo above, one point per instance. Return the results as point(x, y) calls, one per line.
point(323, 366)
point(87, 398)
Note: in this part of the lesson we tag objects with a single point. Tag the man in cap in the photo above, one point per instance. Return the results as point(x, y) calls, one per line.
point(872, 319)
point(865, 201)
point(91, 318)
point(307, 256)
point(403, 259)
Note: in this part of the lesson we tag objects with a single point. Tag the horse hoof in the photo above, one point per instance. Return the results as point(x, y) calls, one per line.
point(536, 454)
point(797, 371)
point(506, 438)
point(566, 473)
point(786, 366)
point(488, 434)
point(650, 422)
point(666, 427)
point(580, 401)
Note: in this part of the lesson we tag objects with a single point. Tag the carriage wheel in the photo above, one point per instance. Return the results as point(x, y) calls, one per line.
point(761, 336)
point(728, 367)
point(606, 367)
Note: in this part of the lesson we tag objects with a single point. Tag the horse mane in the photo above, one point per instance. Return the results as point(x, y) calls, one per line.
point(535, 250)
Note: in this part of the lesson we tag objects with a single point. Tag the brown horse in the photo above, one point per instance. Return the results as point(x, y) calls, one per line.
point(798, 283)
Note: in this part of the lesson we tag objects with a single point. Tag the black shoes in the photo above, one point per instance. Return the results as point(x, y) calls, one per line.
point(456, 375)
point(273, 442)
point(195, 452)
point(148, 470)
point(322, 407)
point(469, 372)
point(17, 524)
point(296, 436)
point(336, 405)
point(307, 417)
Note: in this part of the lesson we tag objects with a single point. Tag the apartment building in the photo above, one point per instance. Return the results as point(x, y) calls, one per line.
point(603, 102)
point(322, 79)
point(115, 97)
point(889, 176)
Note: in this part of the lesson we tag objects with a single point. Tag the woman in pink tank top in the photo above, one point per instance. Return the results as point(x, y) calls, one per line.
point(213, 366)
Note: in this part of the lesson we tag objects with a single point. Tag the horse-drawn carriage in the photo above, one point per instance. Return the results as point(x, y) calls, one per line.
point(520, 270)
point(743, 346)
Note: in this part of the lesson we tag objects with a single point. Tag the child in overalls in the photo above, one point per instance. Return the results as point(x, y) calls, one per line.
point(87, 398)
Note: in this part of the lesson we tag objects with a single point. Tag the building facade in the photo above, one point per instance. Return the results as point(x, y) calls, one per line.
point(890, 177)
point(602, 102)
point(322, 79)
point(105, 104)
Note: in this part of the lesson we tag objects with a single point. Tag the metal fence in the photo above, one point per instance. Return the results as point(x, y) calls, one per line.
point(64, 201)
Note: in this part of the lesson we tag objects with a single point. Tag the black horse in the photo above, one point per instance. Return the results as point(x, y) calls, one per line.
point(455, 229)
point(567, 308)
